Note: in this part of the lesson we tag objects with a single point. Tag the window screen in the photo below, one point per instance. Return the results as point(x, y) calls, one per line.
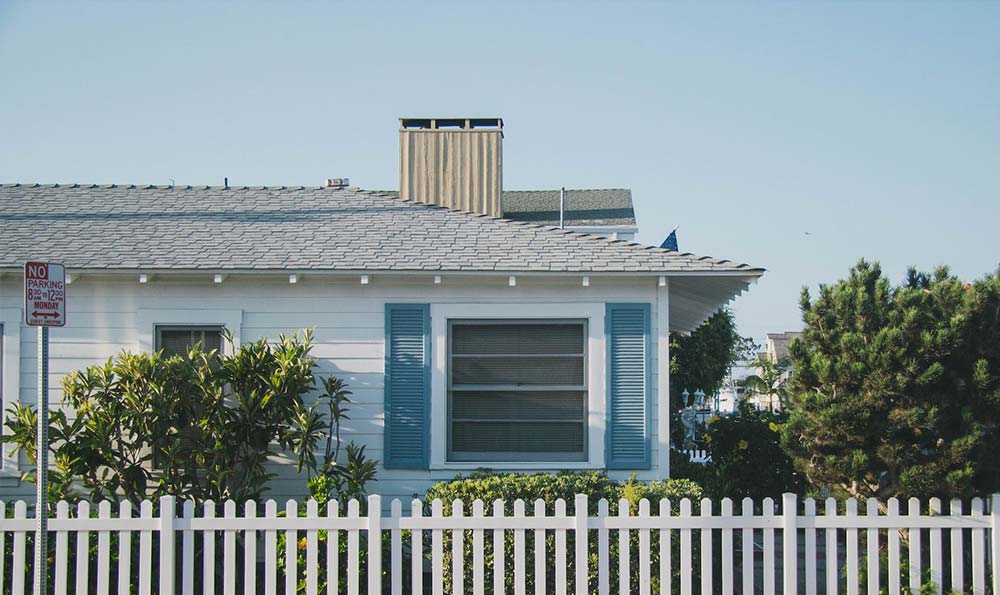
point(517, 391)
point(176, 340)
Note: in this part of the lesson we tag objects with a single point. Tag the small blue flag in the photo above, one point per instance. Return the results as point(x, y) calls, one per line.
point(671, 242)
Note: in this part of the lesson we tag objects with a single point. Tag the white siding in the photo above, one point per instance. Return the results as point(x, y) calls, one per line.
point(111, 313)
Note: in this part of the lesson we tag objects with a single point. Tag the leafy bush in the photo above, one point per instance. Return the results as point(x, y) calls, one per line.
point(747, 457)
point(199, 426)
point(488, 487)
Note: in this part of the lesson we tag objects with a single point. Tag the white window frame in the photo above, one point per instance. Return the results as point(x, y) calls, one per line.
point(10, 376)
point(592, 313)
point(148, 319)
point(527, 457)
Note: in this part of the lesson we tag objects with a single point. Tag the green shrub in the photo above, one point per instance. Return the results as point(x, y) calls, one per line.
point(747, 457)
point(488, 487)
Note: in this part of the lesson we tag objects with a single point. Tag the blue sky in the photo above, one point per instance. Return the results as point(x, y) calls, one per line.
point(875, 127)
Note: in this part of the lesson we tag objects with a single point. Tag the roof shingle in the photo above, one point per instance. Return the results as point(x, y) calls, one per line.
point(298, 228)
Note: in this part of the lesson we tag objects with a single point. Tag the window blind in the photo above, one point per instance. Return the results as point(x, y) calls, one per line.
point(517, 391)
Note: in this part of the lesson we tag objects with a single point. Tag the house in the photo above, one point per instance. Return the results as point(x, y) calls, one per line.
point(468, 339)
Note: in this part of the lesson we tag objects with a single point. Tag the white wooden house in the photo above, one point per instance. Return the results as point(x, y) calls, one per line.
point(469, 340)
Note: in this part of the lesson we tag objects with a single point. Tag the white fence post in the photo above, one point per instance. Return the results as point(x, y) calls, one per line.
point(374, 543)
point(580, 534)
point(167, 544)
point(790, 549)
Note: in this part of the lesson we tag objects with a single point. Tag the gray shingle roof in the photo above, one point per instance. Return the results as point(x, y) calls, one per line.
point(583, 207)
point(298, 228)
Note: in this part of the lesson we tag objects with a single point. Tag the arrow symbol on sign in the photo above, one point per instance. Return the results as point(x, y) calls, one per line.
point(37, 314)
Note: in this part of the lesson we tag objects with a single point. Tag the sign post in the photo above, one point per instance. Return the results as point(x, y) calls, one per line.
point(44, 306)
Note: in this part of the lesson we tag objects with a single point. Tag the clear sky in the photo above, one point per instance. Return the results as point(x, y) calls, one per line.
point(873, 127)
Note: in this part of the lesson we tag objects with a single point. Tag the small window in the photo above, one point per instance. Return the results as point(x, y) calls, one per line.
point(175, 340)
point(517, 391)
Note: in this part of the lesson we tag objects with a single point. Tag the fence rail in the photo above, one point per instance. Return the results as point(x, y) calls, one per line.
point(658, 547)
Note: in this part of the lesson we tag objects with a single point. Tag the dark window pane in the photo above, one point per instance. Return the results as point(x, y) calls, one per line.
point(176, 341)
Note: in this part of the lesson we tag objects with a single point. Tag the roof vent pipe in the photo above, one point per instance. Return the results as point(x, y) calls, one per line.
point(562, 206)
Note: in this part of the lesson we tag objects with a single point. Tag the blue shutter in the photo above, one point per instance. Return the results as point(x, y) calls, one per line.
point(407, 385)
point(628, 345)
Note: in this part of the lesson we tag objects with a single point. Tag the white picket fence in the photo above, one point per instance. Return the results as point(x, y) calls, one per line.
point(716, 551)
point(700, 457)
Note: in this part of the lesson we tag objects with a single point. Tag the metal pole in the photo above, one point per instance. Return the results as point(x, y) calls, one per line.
point(42, 476)
point(562, 207)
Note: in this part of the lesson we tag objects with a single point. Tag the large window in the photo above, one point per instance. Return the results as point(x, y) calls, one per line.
point(175, 340)
point(517, 390)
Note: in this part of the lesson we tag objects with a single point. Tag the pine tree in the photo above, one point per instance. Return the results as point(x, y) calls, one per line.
point(895, 391)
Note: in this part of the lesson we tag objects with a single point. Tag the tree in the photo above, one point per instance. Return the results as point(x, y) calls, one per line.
point(702, 359)
point(201, 426)
point(895, 390)
point(771, 380)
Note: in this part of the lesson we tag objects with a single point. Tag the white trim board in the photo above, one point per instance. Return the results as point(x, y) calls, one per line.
point(10, 322)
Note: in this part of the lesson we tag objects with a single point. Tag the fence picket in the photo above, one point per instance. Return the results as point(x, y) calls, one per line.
point(145, 551)
point(978, 551)
point(892, 536)
point(871, 511)
point(603, 551)
point(995, 541)
point(852, 548)
point(457, 551)
point(957, 559)
point(540, 554)
point(644, 559)
point(353, 551)
point(790, 544)
point(62, 547)
point(499, 555)
point(478, 549)
point(416, 550)
point(937, 574)
point(250, 549)
point(167, 541)
point(208, 552)
point(270, 550)
point(768, 513)
point(18, 567)
point(624, 552)
point(374, 513)
point(560, 550)
point(396, 548)
point(810, 533)
point(685, 550)
point(103, 551)
point(332, 550)
point(291, 546)
point(312, 550)
point(437, 551)
point(748, 554)
point(666, 580)
point(727, 548)
point(229, 551)
point(519, 581)
point(913, 557)
point(706, 549)
point(580, 539)
point(832, 570)
point(187, 558)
